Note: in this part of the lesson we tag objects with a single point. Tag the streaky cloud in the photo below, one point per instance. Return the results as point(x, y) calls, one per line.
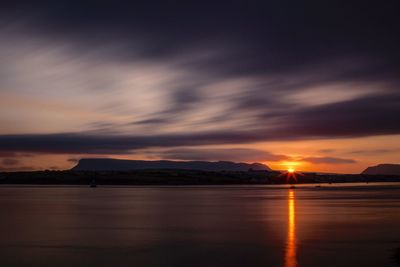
point(328, 160)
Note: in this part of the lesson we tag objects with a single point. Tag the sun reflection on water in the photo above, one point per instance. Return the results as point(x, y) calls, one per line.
point(291, 249)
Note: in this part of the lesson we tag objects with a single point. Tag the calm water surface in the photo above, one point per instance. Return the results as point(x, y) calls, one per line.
point(352, 225)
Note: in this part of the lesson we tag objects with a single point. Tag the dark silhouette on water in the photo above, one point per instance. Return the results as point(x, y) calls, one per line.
point(180, 177)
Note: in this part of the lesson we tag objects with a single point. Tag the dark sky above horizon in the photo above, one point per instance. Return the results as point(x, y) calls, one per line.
point(306, 84)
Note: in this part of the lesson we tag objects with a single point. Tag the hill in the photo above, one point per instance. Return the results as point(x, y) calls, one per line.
point(104, 164)
point(383, 169)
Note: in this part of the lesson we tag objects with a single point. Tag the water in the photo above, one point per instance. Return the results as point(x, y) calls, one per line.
point(351, 225)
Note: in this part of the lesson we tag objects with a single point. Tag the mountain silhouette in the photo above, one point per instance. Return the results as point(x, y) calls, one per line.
point(384, 169)
point(105, 164)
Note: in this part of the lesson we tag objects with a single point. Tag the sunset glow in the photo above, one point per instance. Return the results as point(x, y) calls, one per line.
point(123, 88)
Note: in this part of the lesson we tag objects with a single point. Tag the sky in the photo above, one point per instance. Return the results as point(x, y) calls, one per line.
point(307, 84)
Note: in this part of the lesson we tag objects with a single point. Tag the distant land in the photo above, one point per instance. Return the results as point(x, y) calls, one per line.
point(104, 171)
point(383, 169)
point(106, 164)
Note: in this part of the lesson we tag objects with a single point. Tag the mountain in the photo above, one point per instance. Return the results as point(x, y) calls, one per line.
point(386, 169)
point(104, 164)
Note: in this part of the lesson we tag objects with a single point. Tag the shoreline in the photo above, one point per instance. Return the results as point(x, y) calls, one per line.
point(321, 186)
point(179, 177)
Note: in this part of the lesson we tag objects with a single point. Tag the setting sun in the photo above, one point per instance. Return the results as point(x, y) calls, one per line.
point(291, 170)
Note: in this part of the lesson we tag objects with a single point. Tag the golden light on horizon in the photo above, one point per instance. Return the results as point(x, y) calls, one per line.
point(290, 166)
point(290, 163)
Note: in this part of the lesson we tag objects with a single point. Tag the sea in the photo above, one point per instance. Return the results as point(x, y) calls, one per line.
point(324, 225)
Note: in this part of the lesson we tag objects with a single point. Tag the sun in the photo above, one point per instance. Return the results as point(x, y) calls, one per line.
point(291, 170)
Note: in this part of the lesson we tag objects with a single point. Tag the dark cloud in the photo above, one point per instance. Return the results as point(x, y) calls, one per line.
point(180, 100)
point(369, 115)
point(373, 115)
point(113, 144)
point(233, 154)
point(251, 37)
point(328, 160)
point(151, 121)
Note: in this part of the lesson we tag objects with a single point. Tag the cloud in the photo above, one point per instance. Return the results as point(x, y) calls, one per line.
point(374, 151)
point(10, 162)
point(176, 82)
point(7, 154)
point(127, 76)
point(368, 116)
point(328, 160)
point(264, 36)
point(81, 143)
point(249, 39)
point(233, 154)
point(151, 121)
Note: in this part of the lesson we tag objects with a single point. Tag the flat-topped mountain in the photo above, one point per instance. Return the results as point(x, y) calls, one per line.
point(104, 164)
point(384, 169)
